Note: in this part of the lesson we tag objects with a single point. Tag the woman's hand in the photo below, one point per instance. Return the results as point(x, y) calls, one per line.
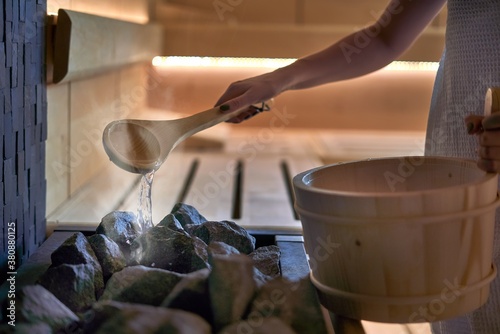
point(488, 130)
point(248, 92)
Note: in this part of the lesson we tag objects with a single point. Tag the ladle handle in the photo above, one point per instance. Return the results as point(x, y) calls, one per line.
point(492, 101)
point(208, 118)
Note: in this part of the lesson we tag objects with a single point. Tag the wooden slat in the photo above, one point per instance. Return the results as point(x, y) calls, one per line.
point(266, 204)
point(212, 189)
point(88, 44)
point(250, 142)
point(355, 145)
point(271, 40)
point(93, 201)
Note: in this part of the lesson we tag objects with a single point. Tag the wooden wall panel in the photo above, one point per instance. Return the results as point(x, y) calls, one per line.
point(92, 106)
point(278, 29)
point(315, 12)
point(275, 41)
point(228, 13)
point(57, 162)
point(385, 101)
point(54, 5)
point(76, 127)
point(128, 10)
point(133, 90)
point(352, 13)
point(258, 11)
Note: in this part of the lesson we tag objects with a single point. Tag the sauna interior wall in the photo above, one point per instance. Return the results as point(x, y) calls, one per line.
point(79, 110)
point(383, 101)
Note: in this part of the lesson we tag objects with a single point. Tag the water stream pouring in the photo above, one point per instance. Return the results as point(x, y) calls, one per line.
point(141, 146)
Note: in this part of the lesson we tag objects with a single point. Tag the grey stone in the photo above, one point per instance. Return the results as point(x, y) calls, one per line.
point(191, 295)
point(225, 231)
point(221, 248)
point(169, 221)
point(35, 305)
point(77, 250)
point(187, 214)
point(108, 254)
point(4, 327)
point(72, 284)
point(231, 287)
point(259, 326)
point(34, 328)
point(121, 227)
point(140, 284)
point(161, 247)
point(295, 303)
point(114, 317)
point(267, 260)
point(259, 278)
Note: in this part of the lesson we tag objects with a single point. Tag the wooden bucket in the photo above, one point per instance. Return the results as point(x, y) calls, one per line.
point(399, 239)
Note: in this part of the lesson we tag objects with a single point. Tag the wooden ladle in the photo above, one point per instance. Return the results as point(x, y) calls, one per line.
point(141, 146)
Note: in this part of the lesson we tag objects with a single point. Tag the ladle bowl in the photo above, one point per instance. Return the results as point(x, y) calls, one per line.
point(141, 146)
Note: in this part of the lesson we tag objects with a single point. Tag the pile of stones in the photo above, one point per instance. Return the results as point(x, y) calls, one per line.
point(184, 275)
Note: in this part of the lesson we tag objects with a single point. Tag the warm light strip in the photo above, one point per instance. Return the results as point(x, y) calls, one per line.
point(413, 66)
point(221, 62)
point(174, 61)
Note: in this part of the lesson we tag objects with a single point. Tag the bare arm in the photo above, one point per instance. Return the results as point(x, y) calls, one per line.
point(355, 55)
point(368, 49)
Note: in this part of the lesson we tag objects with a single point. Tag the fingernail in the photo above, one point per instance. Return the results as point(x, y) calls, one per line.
point(224, 107)
point(470, 127)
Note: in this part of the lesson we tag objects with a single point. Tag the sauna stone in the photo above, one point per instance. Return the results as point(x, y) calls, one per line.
point(231, 288)
point(77, 250)
point(224, 231)
point(72, 284)
point(121, 227)
point(108, 254)
point(169, 221)
point(295, 303)
point(259, 326)
point(161, 247)
point(191, 295)
point(116, 317)
point(142, 285)
point(26, 328)
point(221, 248)
point(267, 260)
point(35, 305)
point(187, 215)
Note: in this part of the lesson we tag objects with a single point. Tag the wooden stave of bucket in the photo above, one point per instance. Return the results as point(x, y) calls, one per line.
point(352, 203)
point(420, 309)
point(380, 274)
point(476, 228)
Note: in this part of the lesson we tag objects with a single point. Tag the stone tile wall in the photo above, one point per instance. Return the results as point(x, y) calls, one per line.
point(23, 130)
